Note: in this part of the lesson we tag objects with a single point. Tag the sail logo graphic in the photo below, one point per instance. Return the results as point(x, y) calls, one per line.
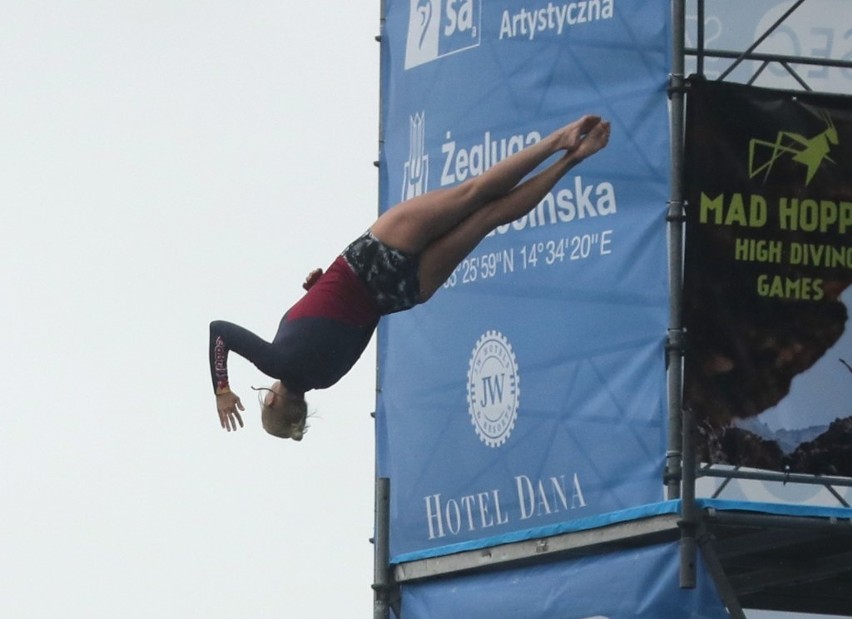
point(438, 28)
point(809, 152)
point(493, 388)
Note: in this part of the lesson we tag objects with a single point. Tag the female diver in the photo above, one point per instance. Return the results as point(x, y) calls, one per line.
point(401, 261)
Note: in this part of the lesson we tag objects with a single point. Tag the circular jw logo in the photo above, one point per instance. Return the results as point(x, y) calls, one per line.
point(492, 389)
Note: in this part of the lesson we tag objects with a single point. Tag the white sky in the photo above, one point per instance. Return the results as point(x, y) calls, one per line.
point(163, 164)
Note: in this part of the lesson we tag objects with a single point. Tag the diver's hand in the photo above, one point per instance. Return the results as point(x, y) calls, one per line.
point(229, 406)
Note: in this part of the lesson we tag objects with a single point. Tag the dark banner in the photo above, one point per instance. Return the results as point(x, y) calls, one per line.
point(768, 366)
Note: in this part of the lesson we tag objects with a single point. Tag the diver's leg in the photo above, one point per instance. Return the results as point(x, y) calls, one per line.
point(442, 255)
point(412, 225)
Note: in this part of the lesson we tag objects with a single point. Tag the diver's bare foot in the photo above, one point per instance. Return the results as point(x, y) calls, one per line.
point(590, 143)
point(569, 137)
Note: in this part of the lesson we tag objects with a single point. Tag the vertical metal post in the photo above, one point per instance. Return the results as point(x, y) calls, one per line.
point(381, 568)
point(699, 61)
point(381, 515)
point(680, 456)
point(675, 218)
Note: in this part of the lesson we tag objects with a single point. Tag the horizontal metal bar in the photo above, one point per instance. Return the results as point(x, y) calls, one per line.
point(795, 478)
point(507, 554)
point(832, 525)
point(820, 62)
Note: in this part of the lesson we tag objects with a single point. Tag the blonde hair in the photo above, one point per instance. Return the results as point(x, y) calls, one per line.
point(285, 419)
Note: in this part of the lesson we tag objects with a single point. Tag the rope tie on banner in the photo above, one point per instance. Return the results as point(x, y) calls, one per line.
point(678, 84)
point(676, 341)
point(676, 212)
point(672, 475)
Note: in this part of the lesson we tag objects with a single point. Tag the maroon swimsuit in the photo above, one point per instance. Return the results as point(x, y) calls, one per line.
point(319, 339)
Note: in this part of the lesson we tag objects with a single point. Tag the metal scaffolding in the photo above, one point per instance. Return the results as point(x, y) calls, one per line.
point(799, 563)
point(782, 572)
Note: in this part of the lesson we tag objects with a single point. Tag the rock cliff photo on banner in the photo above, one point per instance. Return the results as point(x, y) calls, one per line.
point(768, 367)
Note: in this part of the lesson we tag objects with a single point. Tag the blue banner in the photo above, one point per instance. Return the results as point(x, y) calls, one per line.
point(530, 389)
point(622, 585)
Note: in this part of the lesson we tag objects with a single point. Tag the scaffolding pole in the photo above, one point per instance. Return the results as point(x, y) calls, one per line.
point(382, 579)
point(382, 582)
point(675, 217)
point(680, 455)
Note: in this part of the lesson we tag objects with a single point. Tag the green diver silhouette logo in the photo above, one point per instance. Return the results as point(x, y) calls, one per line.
point(810, 152)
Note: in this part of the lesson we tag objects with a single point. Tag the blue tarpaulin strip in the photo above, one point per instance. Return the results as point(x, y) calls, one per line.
point(626, 515)
point(776, 509)
point(571, 526)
